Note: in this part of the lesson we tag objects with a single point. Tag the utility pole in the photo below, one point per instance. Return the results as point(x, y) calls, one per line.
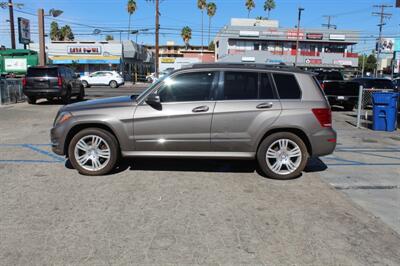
point(363, 65)
point(12, 29)
point(42, 45)
point(328, 24)
point(382, 16)
point(297, 37)
point(157, 36)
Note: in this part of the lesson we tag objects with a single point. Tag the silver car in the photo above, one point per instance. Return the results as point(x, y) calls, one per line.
point(276, 115)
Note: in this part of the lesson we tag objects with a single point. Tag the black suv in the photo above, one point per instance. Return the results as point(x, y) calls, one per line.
point(52, 82)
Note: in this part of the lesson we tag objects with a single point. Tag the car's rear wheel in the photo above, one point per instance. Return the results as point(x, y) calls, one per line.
point(81, 94)
point(348, 106)
point(32, 100)
point(282, 156)
point(85, 84)
point(66, 99)
point(113, 84)
point(93, 151)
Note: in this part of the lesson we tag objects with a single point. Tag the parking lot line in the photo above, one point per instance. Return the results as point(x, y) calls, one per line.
point(35, 148)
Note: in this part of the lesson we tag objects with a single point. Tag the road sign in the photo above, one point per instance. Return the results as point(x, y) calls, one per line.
point(24, 30)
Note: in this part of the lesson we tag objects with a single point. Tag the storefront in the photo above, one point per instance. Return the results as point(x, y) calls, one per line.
point(85, 57)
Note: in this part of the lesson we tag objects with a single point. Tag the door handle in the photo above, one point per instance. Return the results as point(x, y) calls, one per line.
point(265, 105)
point(200, 109)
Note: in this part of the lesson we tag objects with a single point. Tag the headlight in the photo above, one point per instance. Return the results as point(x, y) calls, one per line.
point(61, 118)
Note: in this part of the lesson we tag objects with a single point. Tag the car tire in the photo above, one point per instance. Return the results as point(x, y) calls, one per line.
point(106, 140)
point(113, 84)
point(31, 100)
point(348, 107)
point(85, 84)
point(282, 156)
point(66, 99)
point(81, 95)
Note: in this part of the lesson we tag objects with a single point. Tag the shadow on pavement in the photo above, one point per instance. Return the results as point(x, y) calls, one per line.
point(200, 165)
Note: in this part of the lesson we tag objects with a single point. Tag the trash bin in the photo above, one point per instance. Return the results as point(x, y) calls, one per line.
point(384, 111)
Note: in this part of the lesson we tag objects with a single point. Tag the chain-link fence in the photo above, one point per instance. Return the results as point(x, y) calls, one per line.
point(11, 91)
point(364, 106)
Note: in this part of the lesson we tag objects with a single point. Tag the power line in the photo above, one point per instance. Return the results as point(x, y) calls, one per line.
point(328, 24)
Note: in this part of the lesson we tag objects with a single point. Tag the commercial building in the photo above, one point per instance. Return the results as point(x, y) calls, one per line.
point(86, 57)
point(263, 41)
point(175, 56)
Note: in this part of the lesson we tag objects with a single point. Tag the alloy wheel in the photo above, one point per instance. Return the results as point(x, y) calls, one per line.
point(283, 156)
point(92, 153)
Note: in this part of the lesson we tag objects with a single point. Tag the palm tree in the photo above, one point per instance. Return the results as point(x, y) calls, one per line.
point(186, 34)
point(250, 4)
point(202, 4)
point(268, 6)
point(211, 10)
point(54, 31)
point(131, 8)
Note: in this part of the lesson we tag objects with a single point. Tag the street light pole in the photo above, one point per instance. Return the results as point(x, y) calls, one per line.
point(297, 37)
point(12, 29)
point(42, 45)
point(157, 37)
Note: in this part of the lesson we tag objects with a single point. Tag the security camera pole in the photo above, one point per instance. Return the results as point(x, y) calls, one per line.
point(297, 37)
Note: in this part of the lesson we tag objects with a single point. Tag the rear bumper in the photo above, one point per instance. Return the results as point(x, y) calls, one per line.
point(43, 93)
point(323, 142)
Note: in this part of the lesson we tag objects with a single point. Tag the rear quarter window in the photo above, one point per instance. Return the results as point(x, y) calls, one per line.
point(287, 86)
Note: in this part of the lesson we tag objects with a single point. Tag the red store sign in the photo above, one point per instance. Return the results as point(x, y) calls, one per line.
point(314, 36)
point(313, 61)
point(292, 34)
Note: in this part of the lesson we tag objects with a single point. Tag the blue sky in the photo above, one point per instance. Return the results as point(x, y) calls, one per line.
point(86, 15)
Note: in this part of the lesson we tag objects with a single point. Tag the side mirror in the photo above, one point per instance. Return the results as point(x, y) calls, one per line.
point(154, 101)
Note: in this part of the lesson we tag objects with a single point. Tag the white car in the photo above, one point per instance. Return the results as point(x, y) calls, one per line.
point(103, 78)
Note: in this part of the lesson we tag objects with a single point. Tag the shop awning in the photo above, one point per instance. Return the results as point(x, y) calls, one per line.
point(83, 60)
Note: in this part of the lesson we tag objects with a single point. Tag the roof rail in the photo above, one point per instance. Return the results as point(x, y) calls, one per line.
point(245, 65)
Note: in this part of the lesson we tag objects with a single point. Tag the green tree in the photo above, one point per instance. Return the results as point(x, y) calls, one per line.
point(250, 4)
point(202, 4)
point(370, 63)
point(211, 10)
point(186, 34)
point(54, 31)
point(109, 38)
point(131, 8)
point(66, 33)
point(211, 46)
point(268, 6)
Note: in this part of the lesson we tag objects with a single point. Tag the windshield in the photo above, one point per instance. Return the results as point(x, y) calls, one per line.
point(334, 75)
point(42, 72)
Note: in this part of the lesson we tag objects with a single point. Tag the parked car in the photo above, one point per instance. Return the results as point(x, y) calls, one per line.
point(375, 84)
point(103, 78)
point(339, 92)
point(51, 82)
point(278, 116)
point(396, 83)
point(152, 77)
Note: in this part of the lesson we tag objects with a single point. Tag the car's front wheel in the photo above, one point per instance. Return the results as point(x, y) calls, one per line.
point(93, 151)
point(282, 156)
point(113, 84)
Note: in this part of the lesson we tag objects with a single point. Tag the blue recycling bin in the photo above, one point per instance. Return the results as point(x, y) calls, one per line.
point(385, 111)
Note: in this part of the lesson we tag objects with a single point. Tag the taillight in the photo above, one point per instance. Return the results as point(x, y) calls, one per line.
point(23, 82)
point(322, 85)
point(324, 116)
point(60, 81)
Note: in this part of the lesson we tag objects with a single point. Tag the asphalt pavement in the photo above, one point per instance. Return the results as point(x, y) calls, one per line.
point(342, 211)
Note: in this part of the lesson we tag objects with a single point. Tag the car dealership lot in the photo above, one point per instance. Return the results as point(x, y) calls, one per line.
point(343, 210)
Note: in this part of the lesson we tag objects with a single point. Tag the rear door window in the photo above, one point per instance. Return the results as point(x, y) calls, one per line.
point(241, 86)
point(287, 86)
point(42, 72)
